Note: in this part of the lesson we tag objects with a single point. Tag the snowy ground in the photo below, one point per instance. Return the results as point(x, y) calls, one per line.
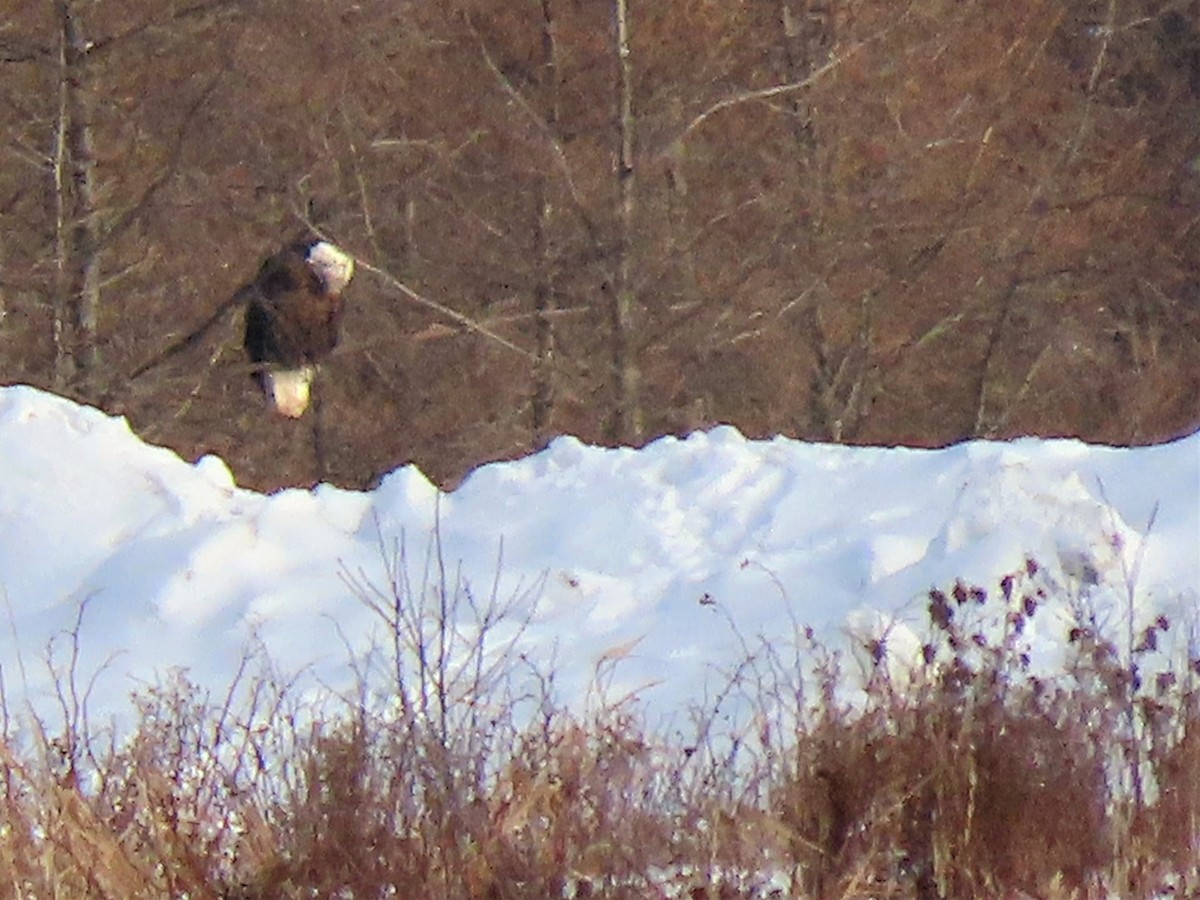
point(654, 568)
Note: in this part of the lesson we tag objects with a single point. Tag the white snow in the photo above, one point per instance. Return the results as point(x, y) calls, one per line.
point(644, 571)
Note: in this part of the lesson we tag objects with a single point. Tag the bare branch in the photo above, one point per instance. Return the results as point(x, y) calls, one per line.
point(777, 90)
point(539, 122)
point(466, 321)
point(214, 358)
point(19, 50)
point(558, 151)
point(192, 338)
point(195, 11)
point(138, 207)
point(360, 182)
point(391, 280)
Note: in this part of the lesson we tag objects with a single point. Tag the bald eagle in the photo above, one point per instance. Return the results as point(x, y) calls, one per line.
point(293, 313)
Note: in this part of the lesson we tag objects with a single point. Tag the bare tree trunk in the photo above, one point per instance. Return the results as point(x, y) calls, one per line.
point(543, 297)
point(627, 414)
point(838, 383)
point(3, 302)
point(544, 304)
point(320, 452)
point(806, 39)
point(841, 381)
point(410, 233)
point(77, 225)
point(983, 426)
point(677, 182)
point(62, 281)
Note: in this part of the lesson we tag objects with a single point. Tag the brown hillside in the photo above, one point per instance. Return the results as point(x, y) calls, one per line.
point(856, 221)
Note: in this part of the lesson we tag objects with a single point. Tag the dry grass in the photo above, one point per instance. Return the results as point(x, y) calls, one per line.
point(977, 778)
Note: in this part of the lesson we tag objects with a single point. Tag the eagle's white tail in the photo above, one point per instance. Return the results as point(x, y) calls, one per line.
point(290, 390)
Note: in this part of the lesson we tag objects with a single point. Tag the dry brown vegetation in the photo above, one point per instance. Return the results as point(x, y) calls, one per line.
point(860, 220)
point(978, 778)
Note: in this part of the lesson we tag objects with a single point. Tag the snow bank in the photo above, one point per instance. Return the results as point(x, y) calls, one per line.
point(651, 565)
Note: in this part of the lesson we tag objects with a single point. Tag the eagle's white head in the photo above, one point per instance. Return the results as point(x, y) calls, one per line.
point(334, 267)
